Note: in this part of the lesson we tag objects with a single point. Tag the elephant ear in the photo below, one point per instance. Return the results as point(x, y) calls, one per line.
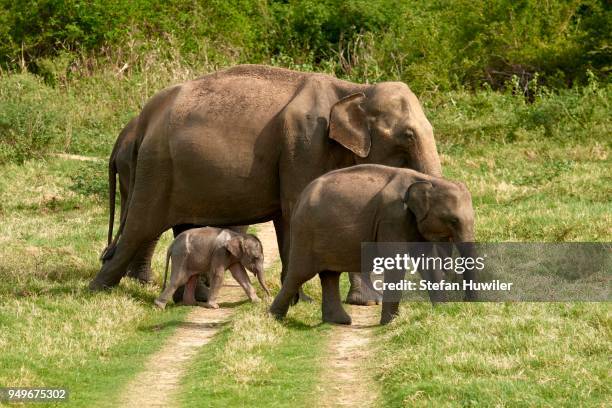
point(417, 199)
point(348, 125)
point(234, 246)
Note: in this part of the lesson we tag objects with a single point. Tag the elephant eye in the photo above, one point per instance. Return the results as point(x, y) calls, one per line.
point(453, 220)
point(407, 136)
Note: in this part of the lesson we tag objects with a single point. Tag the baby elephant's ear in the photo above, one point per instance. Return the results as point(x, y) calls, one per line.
point(417, 199)
point(234, 246)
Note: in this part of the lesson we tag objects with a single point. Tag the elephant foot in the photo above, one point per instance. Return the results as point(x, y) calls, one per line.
point(388, 315)
point(97, 286)
point(160, 304)
point(142, 275)
point(336, 316)
point(386, 319)
point(363, 297)
point(210, 305)
point(277, 311)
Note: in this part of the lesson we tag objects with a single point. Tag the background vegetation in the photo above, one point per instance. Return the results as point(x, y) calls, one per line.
point(438, 44)
point(519, 96)
point(74, 71)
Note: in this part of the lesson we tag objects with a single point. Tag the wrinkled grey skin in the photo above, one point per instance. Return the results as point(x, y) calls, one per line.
point(238, 146)
point(208, 252)
point(333, 218)
point(119, 166)
point(121, 162)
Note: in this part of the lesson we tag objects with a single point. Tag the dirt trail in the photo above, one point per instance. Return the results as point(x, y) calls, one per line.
point(346, 382)
point(157, 383)
point(77, 157)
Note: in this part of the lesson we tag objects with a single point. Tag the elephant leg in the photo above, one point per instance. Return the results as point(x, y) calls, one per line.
point(143, 224)
point(361, 292)
point(333, 312)
point(281, 226)
point(241, 276)
point(293, 281)
point(189, 291)
point(178, 277)
point(201, 291)
point(434, 276)
point(216, 283)
point(115, 268)
point(282, 230)
point(140, 267)
point(390, 307)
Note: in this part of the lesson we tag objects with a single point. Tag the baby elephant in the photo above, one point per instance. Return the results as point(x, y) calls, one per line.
point(209, 252)
point(368, 203)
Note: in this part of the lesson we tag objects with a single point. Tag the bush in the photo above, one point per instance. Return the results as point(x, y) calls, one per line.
point(463, 117)
point(29, 117)
point(91, 180)
point(433, 45)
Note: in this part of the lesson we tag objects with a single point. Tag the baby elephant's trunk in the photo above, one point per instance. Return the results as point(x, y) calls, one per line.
point(262, 280)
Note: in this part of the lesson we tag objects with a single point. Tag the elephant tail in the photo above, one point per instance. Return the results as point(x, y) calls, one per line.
point(167, 263)
point(132, 182)
point(108, 252)
point(112, 187)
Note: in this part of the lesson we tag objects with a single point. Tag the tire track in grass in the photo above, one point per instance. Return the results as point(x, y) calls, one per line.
point(346, 381)
point(158, 382)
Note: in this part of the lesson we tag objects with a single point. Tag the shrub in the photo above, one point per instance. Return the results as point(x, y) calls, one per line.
point(91, 180)
point(29, 117)
point(433, 45)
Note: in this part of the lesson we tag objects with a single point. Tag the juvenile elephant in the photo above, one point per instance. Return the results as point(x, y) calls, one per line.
point(238, 146)
point(332, 219)
point(209, 252)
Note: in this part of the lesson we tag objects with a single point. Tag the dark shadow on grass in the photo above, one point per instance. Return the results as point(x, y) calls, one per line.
point(292, 323)
point(231, 305)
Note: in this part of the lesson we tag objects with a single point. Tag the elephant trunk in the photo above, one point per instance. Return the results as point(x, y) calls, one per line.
point(262, 281)
point(429, 161)
point(468, 250)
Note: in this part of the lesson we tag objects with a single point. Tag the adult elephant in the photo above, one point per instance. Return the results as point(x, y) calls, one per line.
point(238, 146)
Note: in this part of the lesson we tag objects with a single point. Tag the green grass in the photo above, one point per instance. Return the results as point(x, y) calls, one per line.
point(537, 171)
point(537, 190)
point(529, 354)
point(53, 331)
point(257, 361)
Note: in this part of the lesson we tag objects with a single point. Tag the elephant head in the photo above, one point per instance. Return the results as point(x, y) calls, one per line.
point(248, 250)
point(386, 125)
point(444, 213)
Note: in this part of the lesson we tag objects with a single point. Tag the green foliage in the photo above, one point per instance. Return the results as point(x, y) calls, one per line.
point(30, 117)
point(431, 45)
point(91, 180)
point(569, 115)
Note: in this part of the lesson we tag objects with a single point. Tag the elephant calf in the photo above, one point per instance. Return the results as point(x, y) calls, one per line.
point(368, 203)
point(210, 251)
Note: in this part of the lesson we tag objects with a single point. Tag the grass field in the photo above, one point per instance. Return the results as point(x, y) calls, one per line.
point(537, 172)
